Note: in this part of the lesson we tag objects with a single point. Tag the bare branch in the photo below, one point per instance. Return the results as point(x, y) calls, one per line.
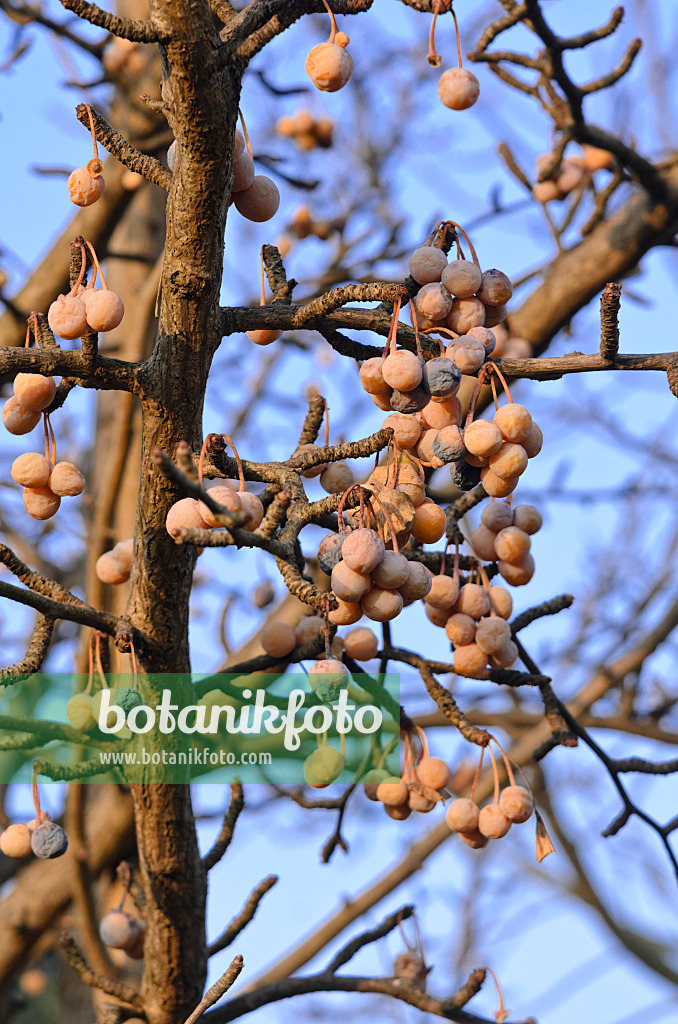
point(112, 987)
point(125, 28)
point(223, 840)
point(246, 915)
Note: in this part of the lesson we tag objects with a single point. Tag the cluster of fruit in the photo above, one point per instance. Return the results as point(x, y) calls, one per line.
point(303, 224)
point(44, 480)
point(115, 566)
point(474, 619)
point(328, 65)
point(475, 825)
point(457, 295)
point(458, 88)
point(402, 381)
point(83, 708)
point(194, 514)
point(88, 308)
point(366, 577)
point(503, 536)
point(570, 173)
point(422, 784)
point(307, 131)
point(41, 836)
point(86, 184)
point(493, 452)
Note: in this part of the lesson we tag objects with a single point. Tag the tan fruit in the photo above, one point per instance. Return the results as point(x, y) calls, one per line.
point(458, 88)
point(372, 780)
point(41, 502)
point(517, 804)
point(437, 415)
point(15, 841)
point(506, 657)
point(185, 512)
point(497, 516)
point(495, 485)
point(371, 376)
point(323, 766)
point(418, 583)
point(402, 370)
point(406, 429)
point(492, 822)
point(462, 815)
point(517, 574)
point(476, 840)
point(84, 188)
point(496, 288)
point(105, 309)
point(66, 480)
point(392, 572)
point(501, 601)
point(79, 712)
point(465, 314)
point(18, 420)
point(337, 478)
point(509, 462)
point(349, 585)
point(260, 201)
point(329, 66)
point(253, 509)
point(393, 792)
point(382, 605)
point(462, 278)
point(482, 438)
point(534, 441)
point(473, 601)
point(346, 613)
point(307, 628)
point(34, 391)
point(243, 173)
point(470, 660)
point(460, 629)
point(434, 301)
point(433, 772)
point(363, 550)
point(361, 644)
point(110, 570)
point(277, 639)
point(443, 594)
point(429, 523)
point(31, 470)
point(427, 263)
point(438, 616)
point(512, 545)
point(527, 518)
point(223, 495)
point(514, 422)
point(492, 634)
point(67, 317)
point(482, 542)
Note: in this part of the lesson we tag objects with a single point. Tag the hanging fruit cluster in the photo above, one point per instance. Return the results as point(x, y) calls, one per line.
point(422, 784)
point(44, 480)
point(494, 453)
point(194, 514)
point(475, 825)
point(41, 836)
point(306, 130)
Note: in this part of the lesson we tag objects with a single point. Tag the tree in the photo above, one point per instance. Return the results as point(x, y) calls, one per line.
point(162, 371)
